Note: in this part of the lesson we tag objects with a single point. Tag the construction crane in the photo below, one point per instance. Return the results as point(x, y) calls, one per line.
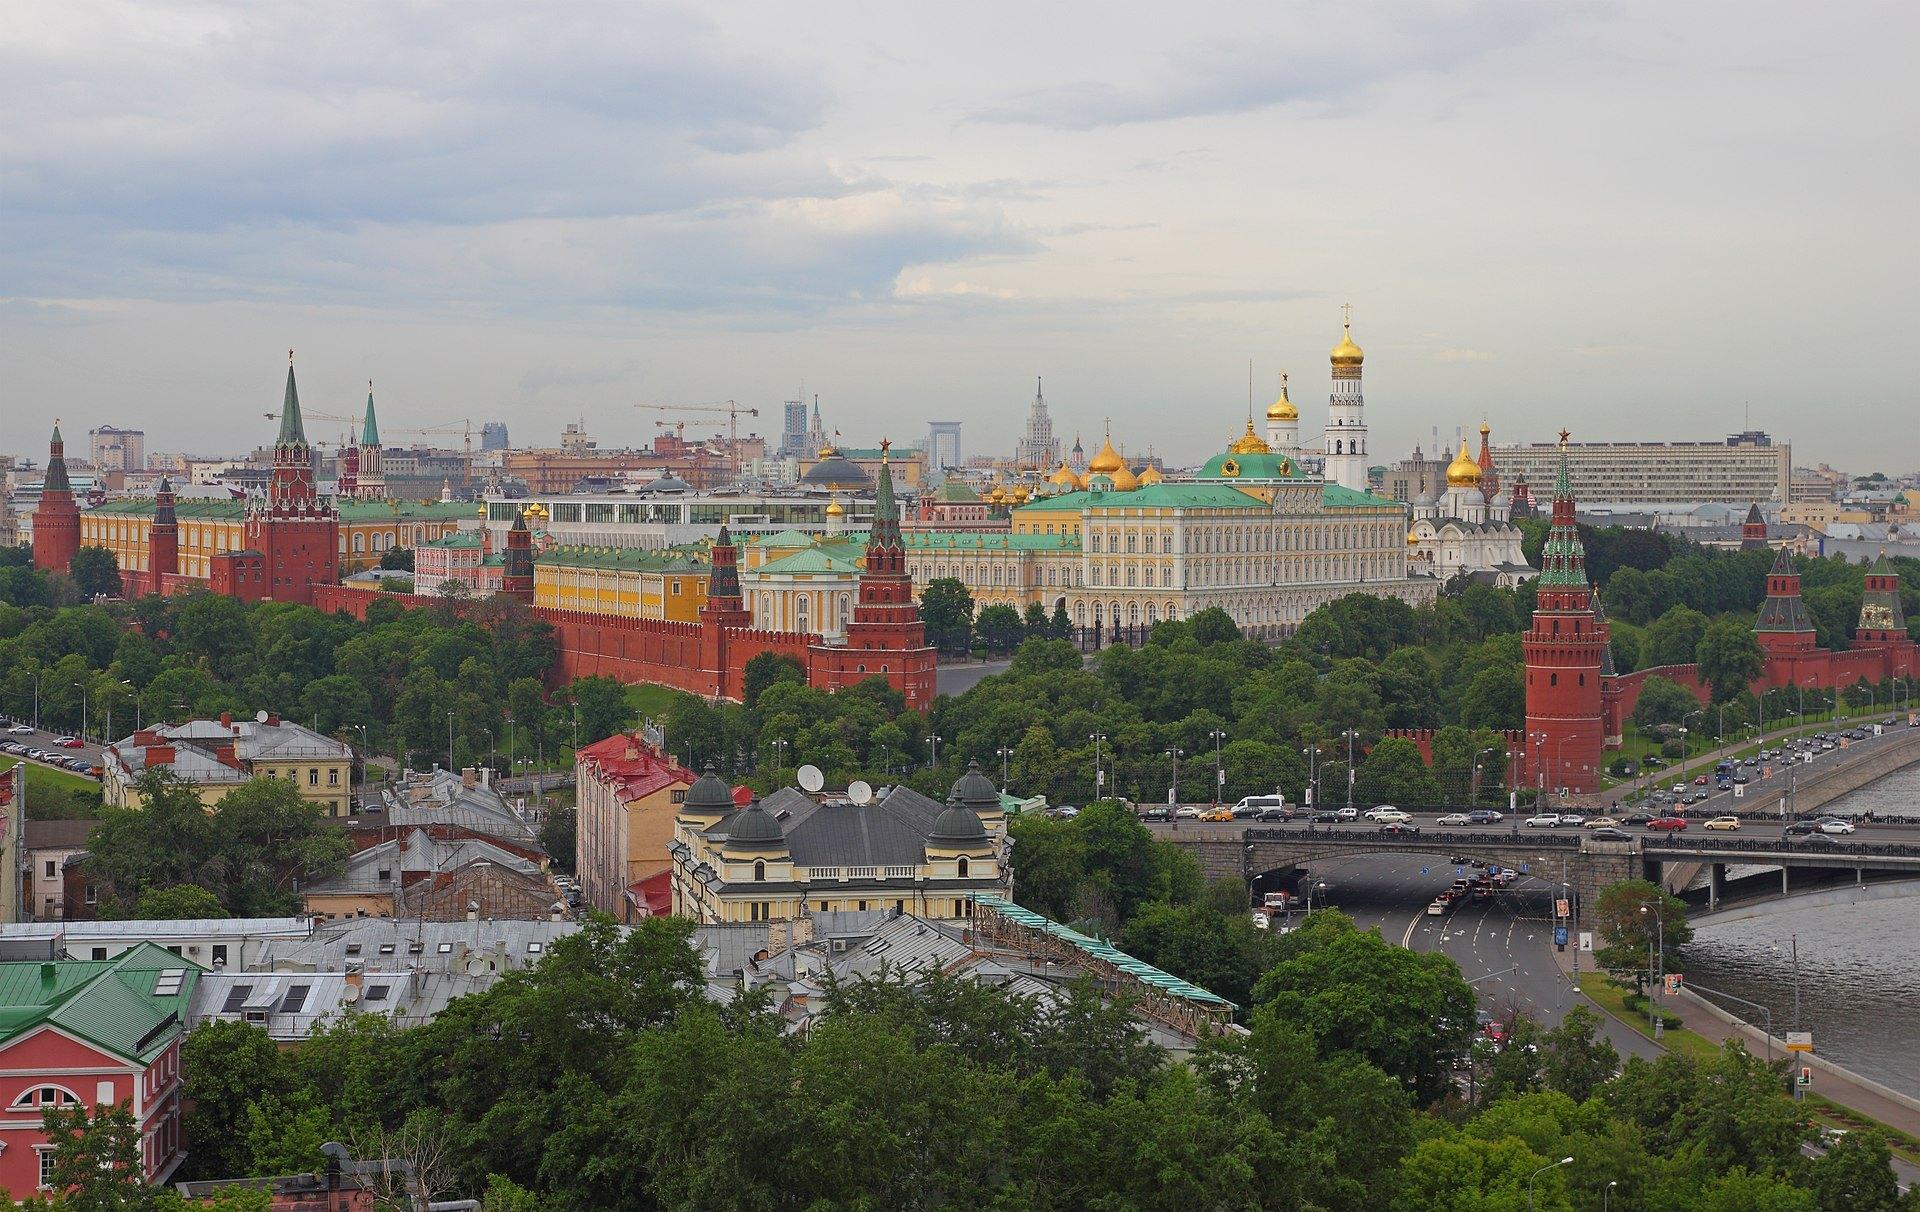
point(733, 412)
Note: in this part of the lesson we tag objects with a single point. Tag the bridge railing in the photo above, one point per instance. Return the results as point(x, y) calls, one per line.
point(1454, 839)
point(1794, 845)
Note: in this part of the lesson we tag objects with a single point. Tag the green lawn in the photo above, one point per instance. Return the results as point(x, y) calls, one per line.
point(59, 793)
point(1612, 998)
point(651, 700)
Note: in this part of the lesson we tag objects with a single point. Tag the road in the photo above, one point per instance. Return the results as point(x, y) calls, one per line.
point(43, 740)
point(957, 679)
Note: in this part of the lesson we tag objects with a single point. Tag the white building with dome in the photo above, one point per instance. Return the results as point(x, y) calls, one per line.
point(1468, 529)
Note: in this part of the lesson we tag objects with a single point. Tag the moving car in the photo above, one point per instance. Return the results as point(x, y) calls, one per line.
point(1252, 804)
point(1610, 834)
point(1836, 827)
point(1436, 909)
point(1157, 814)
point(1668, 824)
point(1722, 822)
point(1277, 813)
point(1800, 828)
point(1326, 818)
point(1484, 816)
point(1544, 820)
point(1638, 818)
point(1216, 815)
point(1455, 818)
point(1396, 828)
point(1572, 818)
point(1700, 781)
point(1387, 814)
point(1601, 822)
point(1347, 814)
point(1187, 812)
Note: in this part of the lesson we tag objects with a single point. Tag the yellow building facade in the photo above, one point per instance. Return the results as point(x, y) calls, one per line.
point(368, 530)
point(216, 756)
point(632, 582)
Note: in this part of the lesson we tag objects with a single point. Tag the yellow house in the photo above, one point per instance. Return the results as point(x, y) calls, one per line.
point(368, 530)
point(628, 794)
point(636, 582)
point(216, 756)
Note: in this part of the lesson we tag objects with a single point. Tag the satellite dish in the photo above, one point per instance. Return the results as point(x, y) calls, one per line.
point(859, 792)
point(260, 717)
point(810, 778)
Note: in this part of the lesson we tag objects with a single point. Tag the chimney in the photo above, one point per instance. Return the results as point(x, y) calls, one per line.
point(227, 756)
point(467, 776)
point(273, 721)
point(473, 911)
point(226, 719)
point(355, 977)
point(486, 777)
point(47, 973)
point(159, 755)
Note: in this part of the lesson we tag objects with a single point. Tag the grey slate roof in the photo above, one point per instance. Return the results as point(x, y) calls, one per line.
point(891, 831)
point(413, 943)
point(417, 852)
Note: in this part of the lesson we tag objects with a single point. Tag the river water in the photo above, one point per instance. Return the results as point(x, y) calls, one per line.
point(1859, 965)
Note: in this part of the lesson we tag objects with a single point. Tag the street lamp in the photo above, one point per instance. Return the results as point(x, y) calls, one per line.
point(1004, 753)
point(1606, 1195)
point(1350, 735)
point(1660, 939)
point(449, 740)
point(1312, 754)
point(1099, 775)
point(1219, 775)
point(1173, 793)
point(83, 709)
point(1565, 1161)
point(780, 743)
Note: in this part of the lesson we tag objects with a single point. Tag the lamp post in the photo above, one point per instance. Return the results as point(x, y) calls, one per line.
point(1219, 774)
point(1173, 793)
point(1350, 734)
point(36, 699)
point(83, 709)
point(1099, 776)
point(1004, 753)
point(1565, 1161)
point(449, 740)
point(1312, 754)
point(1794, 944)
point(1606, 1195)
point(136, 704)
point(1658, 940)
point(780, 744)
point(489, 733)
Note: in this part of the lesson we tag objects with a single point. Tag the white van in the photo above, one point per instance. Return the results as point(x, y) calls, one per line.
point(1253, 805)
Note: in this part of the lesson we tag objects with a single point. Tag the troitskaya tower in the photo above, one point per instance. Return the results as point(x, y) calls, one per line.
point(1346, 437)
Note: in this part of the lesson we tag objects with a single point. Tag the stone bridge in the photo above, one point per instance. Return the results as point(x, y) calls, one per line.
point(1587, 865)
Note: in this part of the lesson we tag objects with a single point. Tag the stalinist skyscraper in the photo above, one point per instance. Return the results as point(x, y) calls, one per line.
point(1346, 437)
point(1038, 448)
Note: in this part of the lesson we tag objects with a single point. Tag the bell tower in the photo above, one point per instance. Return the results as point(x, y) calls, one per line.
point(1346, 447)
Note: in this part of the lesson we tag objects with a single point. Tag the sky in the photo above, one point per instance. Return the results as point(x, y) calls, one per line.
point(1635, 220)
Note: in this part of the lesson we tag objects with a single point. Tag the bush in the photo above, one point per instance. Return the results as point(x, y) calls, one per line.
point(1637, 1003)
point(1674, 748)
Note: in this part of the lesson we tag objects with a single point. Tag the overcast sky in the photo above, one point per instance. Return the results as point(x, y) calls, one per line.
point(1639, 220)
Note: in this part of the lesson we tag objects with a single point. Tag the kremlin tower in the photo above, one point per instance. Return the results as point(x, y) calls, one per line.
point(56, 523)
point(1566, 650)
point(1346, 435)
point(163, 541)
point(370, 480)
point(885, 638)
point(296, 534)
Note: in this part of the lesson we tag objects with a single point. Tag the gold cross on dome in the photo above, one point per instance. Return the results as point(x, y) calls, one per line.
point(1346, 314)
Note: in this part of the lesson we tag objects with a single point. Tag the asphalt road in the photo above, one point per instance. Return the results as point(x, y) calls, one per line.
point(39, 739)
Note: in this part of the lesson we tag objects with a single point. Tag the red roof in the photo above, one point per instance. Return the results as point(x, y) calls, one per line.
point(654, 894)
point(742, 796)
point(635, 768)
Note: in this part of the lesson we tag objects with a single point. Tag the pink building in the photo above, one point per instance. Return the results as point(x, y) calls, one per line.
point(466, 557)
point(91, 1033)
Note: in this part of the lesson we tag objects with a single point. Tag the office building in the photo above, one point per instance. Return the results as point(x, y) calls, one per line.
point(493, 436)
point(116, 449)
point(943, 447)
point(1740, 470)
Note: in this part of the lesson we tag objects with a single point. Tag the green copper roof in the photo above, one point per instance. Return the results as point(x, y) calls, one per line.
point(886, 514)
point(292, 433)
point(1155, 496)
point(370, 433)
point(131, 1005)
point(814, 561)
point(410, 511)
point(459, 540)
point(1339, 496)
point(988, 540)
point(955, 491)
point(784, 538)
point(635, 559)
point(195, 508)
point(1252, 467)
point(56, 433)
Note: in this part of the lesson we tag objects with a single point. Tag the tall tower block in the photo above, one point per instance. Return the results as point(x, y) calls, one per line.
point(56, 522)
point(1346, 434)
point(1566, 649)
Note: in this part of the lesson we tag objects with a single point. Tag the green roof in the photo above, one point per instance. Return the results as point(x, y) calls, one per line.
point(954, 490)
point(130, 1005)
point(411, 511)
point(638, 559)
point(988, 540)
point(186, 509)
point(1164, 495)
point(1138, 969)
point(458, 540)
point(1339, 496)
point(785, 538)
point(291, 432)
point(814, 561)
point(1253, 467)
point(370, 433)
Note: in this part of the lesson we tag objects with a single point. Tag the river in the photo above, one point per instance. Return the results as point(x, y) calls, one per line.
point(1859, 965)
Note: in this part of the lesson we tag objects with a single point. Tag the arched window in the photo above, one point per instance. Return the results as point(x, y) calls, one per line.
point(759, 870)
point(800, 612)
point(960, 867)
point(35, 1097)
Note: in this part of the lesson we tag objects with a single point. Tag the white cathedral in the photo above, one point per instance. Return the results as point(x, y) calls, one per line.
point(1469, 528)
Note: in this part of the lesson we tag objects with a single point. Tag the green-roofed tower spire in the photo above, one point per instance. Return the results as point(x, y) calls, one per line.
point(886, 511)
point(292, 433)
point(370, 432)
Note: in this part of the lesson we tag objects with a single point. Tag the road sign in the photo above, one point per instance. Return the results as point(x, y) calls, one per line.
point(1739, 791)
point(1459, 870)
point(1586, 940)
point(1799, 1041)
point(1525, 868)
point(1423, 871)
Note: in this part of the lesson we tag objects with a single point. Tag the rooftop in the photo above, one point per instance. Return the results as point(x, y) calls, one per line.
point(130, 1005)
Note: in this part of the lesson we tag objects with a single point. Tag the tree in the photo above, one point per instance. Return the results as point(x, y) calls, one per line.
point(559, 836)
point(1629, 916)
point(95, 572)
point(763, 669)
point(1409, 1013)
point(1214, 626)
point(1575, 1058)
point(947, 610)
point(1395, 773)
point(96, 1158)
point(1855, 1175)
point(1060, 625)
point(226, 1065)
point(1663, 701)
point(999, 627)
point(1729, 658)
point(179, 902)
point(397, 559)
point(601, 707)
point(1496, 699)
point(1200, 944)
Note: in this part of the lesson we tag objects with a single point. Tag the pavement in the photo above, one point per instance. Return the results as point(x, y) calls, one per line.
point(962, 676)
point(40, 738)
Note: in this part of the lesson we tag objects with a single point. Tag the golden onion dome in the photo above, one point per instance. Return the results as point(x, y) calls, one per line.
point(1282, 409)
point(1463, 472)
point(1021, 494)
point(1413, 538)
point(1124, 480)
point(1108, 460)
point(1150, 476)
point(1064, 477)
point(1347, 353)
point(998, 494)
point(1250, 442)
point(1485, 429)
point(836, 510)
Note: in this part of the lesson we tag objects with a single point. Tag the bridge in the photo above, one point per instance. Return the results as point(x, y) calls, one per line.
point(1587, 865)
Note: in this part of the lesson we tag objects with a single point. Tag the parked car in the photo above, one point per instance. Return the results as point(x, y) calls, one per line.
point(20, 730)
point(1653, 762)
point(1544, 820)
point(1668, 824)
point(1455, 818)
point(67, 742)
point(1722, 822)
